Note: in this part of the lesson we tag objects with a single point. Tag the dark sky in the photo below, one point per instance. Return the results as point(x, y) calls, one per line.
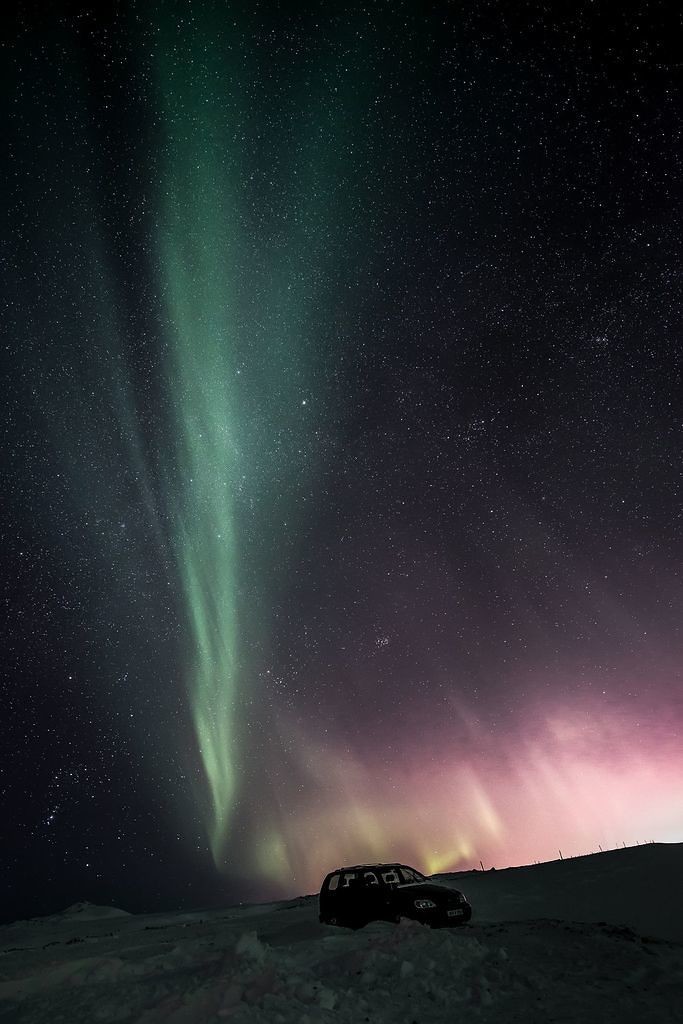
point(342, 442)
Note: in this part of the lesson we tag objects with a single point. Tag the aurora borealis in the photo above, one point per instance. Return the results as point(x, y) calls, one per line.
point(342, 444)
point(198, 251)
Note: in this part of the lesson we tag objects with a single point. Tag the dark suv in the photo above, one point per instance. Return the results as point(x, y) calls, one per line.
point(387, 892)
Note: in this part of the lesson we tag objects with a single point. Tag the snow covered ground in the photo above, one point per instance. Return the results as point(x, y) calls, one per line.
point(594, 939)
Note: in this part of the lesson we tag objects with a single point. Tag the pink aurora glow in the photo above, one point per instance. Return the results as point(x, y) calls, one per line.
point(564, 778)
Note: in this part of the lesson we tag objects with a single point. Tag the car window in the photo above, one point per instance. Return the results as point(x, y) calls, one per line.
point(370, 878)
point(333, 882)
point(347, 876)
point(390, 877)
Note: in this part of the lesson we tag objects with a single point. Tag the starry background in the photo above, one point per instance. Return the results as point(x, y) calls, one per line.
point(341, 508)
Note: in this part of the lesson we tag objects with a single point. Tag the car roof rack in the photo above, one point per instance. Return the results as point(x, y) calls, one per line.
point(369, 867)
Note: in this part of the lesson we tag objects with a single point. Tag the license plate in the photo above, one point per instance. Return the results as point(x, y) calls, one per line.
point(455, 913)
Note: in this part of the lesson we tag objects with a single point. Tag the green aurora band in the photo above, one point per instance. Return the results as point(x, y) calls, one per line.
point(243, 254)
point(197, 246)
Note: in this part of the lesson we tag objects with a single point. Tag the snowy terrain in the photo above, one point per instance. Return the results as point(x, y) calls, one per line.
point(597, 938)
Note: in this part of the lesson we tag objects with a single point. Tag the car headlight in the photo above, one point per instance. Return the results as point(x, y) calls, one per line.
point(424, 904)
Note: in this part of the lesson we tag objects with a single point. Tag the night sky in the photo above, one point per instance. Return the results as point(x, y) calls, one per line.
point(341, 432)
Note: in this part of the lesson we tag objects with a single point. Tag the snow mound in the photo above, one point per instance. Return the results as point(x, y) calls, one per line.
point(90, 912)
point(74, 914)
